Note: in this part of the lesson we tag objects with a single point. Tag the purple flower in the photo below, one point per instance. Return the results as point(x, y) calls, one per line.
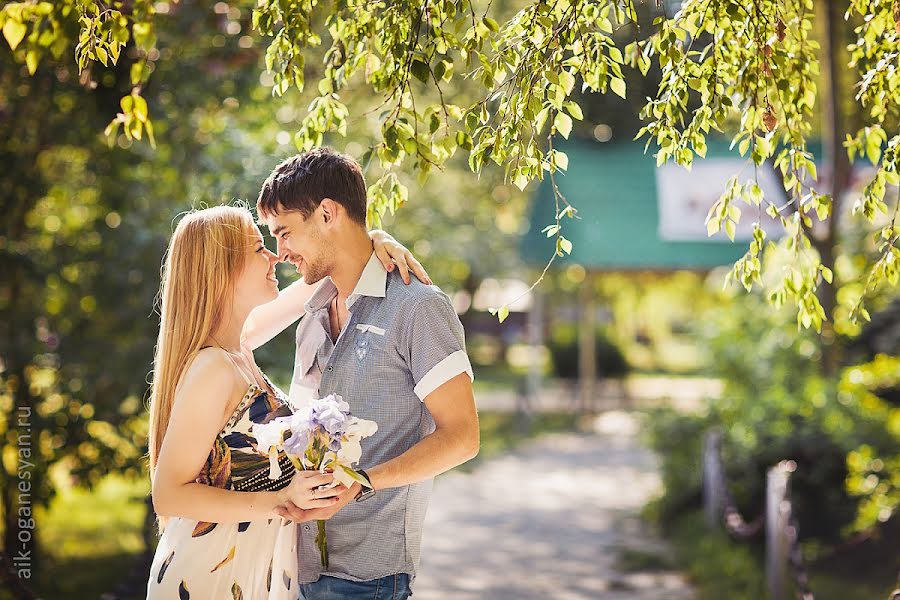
point(329, 416)
point(337, 401)
point(297, 444)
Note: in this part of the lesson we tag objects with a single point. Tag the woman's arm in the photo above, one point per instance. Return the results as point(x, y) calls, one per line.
point(270, 319)
point(209, 386)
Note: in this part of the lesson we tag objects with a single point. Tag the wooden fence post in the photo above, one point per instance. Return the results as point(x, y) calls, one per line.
point(778, 515)
point(713, 479)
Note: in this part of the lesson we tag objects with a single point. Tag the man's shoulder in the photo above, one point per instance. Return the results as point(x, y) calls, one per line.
point(406, 297)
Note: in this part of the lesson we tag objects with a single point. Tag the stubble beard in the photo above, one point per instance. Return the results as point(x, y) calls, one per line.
point(316, 271)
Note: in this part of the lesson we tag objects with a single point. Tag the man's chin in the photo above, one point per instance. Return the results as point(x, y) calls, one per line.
point(311, 279)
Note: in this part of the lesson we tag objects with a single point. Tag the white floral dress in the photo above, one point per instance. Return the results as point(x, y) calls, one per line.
point(250, 560)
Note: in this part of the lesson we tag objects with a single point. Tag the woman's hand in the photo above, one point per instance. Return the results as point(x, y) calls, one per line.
point(391, 252)
point(305, 492)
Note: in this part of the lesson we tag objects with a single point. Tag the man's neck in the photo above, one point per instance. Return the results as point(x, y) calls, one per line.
point(353, 255)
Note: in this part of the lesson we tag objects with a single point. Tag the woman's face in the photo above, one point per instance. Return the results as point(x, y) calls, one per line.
point(257, 283)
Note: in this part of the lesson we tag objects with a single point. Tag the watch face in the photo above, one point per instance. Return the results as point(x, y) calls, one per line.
point(365, 494)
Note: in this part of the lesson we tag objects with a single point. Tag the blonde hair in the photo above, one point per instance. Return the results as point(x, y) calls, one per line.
point(207, 252)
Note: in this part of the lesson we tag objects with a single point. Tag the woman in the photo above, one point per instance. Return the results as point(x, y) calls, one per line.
point(210, 486)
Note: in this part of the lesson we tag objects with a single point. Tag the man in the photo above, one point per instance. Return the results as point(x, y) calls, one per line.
point(395, 352)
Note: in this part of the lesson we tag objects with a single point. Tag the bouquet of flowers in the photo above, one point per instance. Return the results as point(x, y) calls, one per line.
point(318, 437)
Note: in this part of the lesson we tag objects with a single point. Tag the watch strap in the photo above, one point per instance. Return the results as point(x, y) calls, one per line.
point(366, 492)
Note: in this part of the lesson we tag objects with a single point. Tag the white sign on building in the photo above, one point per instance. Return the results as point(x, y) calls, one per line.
point(685, 197)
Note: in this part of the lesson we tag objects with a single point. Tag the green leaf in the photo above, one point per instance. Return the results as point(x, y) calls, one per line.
point(491, 24)
point(615, 54)
point(574, 110)
point(541, 119)
point(502, 313)
point(729, 229)
point(567, 81)
point(561, 159)
point(137, 72)
point(520, 181)
point(31, 61)
point(355, 476)
point(618, 86)
point(447, 66)
point(149, 126)
point(140, 108)
point(563, 124)
point(756, 194)
point(420, 70)
point(564, 246)
point(14, 32)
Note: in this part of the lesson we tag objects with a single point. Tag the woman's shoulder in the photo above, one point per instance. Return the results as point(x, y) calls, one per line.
point(211, 359)
point(212, 369)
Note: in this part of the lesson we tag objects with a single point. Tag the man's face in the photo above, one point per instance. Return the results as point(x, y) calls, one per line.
point(300, 242)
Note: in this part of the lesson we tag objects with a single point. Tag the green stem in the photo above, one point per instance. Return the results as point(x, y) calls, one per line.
point(322, 543)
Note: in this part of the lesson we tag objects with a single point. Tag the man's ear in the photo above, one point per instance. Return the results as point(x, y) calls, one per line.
point(330, 209)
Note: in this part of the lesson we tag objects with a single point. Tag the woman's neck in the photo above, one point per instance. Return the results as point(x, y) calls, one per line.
point(228, 335)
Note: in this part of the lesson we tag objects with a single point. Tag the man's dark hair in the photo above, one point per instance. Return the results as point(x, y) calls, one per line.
point(301, 183)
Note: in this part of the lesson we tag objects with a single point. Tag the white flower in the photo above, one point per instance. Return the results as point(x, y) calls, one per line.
point(274, 468)
point(271, 433)
point(342, 477)
point(350, 452)
point(269, 438)
point(357, 429)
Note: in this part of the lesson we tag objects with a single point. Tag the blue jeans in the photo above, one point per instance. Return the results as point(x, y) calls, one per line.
point(392, 587)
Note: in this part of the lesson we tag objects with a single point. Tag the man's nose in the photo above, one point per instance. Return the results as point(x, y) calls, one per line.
point(280, 252)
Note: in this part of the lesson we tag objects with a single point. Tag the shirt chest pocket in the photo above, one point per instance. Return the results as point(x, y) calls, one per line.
point(371, 345)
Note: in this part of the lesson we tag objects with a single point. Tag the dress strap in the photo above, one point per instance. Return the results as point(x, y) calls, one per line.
point(238, 367)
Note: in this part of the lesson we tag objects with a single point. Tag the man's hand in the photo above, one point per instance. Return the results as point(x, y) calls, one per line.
point(290, 510)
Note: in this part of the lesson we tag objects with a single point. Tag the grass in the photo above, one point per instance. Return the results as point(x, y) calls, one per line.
point(720, 567)
point(90, 538)
point(632, 560)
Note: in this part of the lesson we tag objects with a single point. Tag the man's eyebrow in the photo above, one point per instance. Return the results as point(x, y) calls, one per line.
point(277, 231)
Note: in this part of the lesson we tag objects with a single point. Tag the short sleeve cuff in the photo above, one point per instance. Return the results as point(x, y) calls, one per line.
point(444, 371)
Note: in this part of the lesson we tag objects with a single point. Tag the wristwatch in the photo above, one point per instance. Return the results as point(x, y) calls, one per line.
point(366, 492)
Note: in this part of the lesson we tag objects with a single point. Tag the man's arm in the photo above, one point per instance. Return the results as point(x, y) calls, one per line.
point(455, 440)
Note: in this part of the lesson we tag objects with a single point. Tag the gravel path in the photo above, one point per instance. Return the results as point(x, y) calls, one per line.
point(547, 521)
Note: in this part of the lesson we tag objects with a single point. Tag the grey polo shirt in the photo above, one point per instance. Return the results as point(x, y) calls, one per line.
point(400, 343)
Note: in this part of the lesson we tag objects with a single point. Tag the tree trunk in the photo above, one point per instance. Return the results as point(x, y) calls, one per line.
point(833, 131)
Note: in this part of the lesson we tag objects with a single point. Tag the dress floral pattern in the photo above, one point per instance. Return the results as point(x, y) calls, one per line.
point(249, 560)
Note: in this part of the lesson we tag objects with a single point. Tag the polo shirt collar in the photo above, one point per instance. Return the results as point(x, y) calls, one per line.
point(372, 282)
